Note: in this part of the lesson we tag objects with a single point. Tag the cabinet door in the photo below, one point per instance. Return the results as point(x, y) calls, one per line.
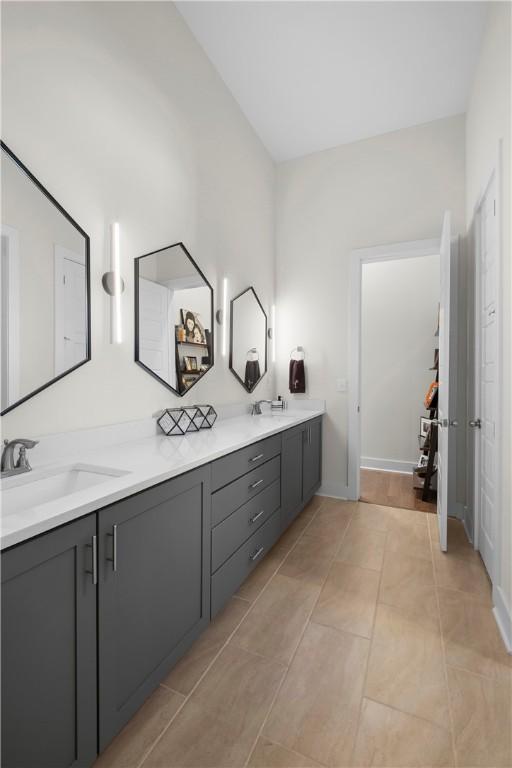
point(312, 458)
point(49, 650)
point(291, 474)
point(154, 563)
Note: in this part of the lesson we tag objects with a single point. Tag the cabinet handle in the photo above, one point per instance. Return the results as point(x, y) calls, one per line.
point(257, 554)
point(256, 516)
point(258, 457)
point(113, 559)
point(94, 571)
point(255, 485)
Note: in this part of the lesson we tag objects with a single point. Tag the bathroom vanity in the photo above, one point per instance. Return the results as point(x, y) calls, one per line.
point(96, 611)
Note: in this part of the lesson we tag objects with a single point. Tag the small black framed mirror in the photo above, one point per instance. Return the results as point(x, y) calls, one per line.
point(45, 324)
point(173, 318)
point(248, 339)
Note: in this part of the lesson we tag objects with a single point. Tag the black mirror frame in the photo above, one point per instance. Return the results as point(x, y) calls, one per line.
point(235, 374)
point(136, 292)
point(84, 234)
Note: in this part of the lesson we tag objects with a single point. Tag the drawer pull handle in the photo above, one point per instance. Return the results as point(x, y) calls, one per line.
point(258, 457)
point(255, 485)
point(256, 516)
point(257, 554)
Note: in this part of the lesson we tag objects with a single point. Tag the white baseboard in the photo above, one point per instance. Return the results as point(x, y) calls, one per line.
point(334, 490)
point(387, 465)
point(503, 617)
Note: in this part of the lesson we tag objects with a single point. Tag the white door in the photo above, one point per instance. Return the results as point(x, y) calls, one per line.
point(487, 384)
point(70, 310)
point(154, 329)
point(447, 389)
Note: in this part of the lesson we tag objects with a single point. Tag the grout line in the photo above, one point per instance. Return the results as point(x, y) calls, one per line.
point(370, 646)
point(214, 659)
point(443, 651)
point(446, 729)
point(306, 625)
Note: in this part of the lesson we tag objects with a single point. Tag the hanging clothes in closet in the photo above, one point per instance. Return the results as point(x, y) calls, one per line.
point(252, 369)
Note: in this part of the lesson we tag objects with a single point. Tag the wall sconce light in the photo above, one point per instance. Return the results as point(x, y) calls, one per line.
point(113, 284)
point(222, 317)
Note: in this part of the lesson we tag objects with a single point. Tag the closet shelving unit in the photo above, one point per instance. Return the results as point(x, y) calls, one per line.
point(425, 474)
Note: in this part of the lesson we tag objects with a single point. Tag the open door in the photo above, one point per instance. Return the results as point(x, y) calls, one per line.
point(447, 384)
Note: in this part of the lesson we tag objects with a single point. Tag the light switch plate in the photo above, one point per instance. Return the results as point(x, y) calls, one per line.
point(341, 385)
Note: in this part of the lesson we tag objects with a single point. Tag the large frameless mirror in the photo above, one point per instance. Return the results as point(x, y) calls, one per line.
point(44, 287)
point(173, 318)
point(248, 348)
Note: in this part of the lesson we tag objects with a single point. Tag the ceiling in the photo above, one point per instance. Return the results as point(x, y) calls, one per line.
point(312, 75)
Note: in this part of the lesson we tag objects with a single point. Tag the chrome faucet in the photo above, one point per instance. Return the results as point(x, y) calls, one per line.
point(8, 465)
point(256, 407)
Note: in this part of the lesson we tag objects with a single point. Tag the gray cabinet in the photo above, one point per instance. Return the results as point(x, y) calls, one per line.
point(301, 467)
point(49, 650)
point(311, 459)
point(154, 572)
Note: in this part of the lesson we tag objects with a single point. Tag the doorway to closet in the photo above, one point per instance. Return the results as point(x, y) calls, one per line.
point(399, 356)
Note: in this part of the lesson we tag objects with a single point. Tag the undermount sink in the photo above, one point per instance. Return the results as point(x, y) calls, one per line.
point(22, 492)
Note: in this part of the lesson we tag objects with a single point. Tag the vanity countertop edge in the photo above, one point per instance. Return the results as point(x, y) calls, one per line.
point(146, 462)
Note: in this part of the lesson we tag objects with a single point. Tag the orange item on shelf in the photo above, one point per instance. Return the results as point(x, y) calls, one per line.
point(430, 393)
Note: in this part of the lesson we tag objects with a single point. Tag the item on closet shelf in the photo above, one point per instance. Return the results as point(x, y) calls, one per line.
point(179, 421)
point(431, 394)
point(181, 334)
point(252, 369)
point(297, 371)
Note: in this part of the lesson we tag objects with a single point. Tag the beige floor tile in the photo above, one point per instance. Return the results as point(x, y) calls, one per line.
point(387, 737)
point(296, 529)
point(317, 708)
point(458, 543)
point(406, 666)
point(482, 719)
point(371, 516)
point(331, 521)
point(191, 666)
point(471, 636)
point(276, 622)
point(219, 723)
point(348, 599)
point(410, 538)
point(396, 515)
point(259, 578)
point(363, 546)
point(131, 744)
point(312, 506)
point(310, 559)
point(266, 754)
point(408, 583)
point(433, 527)
point(464, 575)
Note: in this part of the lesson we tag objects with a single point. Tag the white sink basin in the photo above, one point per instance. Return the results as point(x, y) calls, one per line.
point(23, 492)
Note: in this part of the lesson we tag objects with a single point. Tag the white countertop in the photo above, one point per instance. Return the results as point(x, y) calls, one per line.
point(144, 462)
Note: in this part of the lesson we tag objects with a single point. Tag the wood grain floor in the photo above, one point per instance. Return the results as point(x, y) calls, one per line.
point(354, 643)
point(393, 489)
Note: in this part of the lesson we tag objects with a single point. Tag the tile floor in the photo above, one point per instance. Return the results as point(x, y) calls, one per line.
point(354, 643)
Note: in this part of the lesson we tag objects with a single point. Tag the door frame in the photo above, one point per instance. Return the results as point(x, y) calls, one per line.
point(60, 255)
point(392, 252)
point(495, 175)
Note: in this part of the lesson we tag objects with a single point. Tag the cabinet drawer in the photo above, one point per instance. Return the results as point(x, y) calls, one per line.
point(236, 464)
point(229, 577)
point(232, 496)
point(235, 529)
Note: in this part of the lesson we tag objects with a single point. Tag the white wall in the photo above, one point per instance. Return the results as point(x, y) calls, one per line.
point(399, 305)
point(118, 112)
point(389, 189)
point(488, 122)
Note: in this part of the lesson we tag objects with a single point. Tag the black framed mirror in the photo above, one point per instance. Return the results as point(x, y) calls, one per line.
point(248, 339)
point(45, 324)
point(173, 318)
